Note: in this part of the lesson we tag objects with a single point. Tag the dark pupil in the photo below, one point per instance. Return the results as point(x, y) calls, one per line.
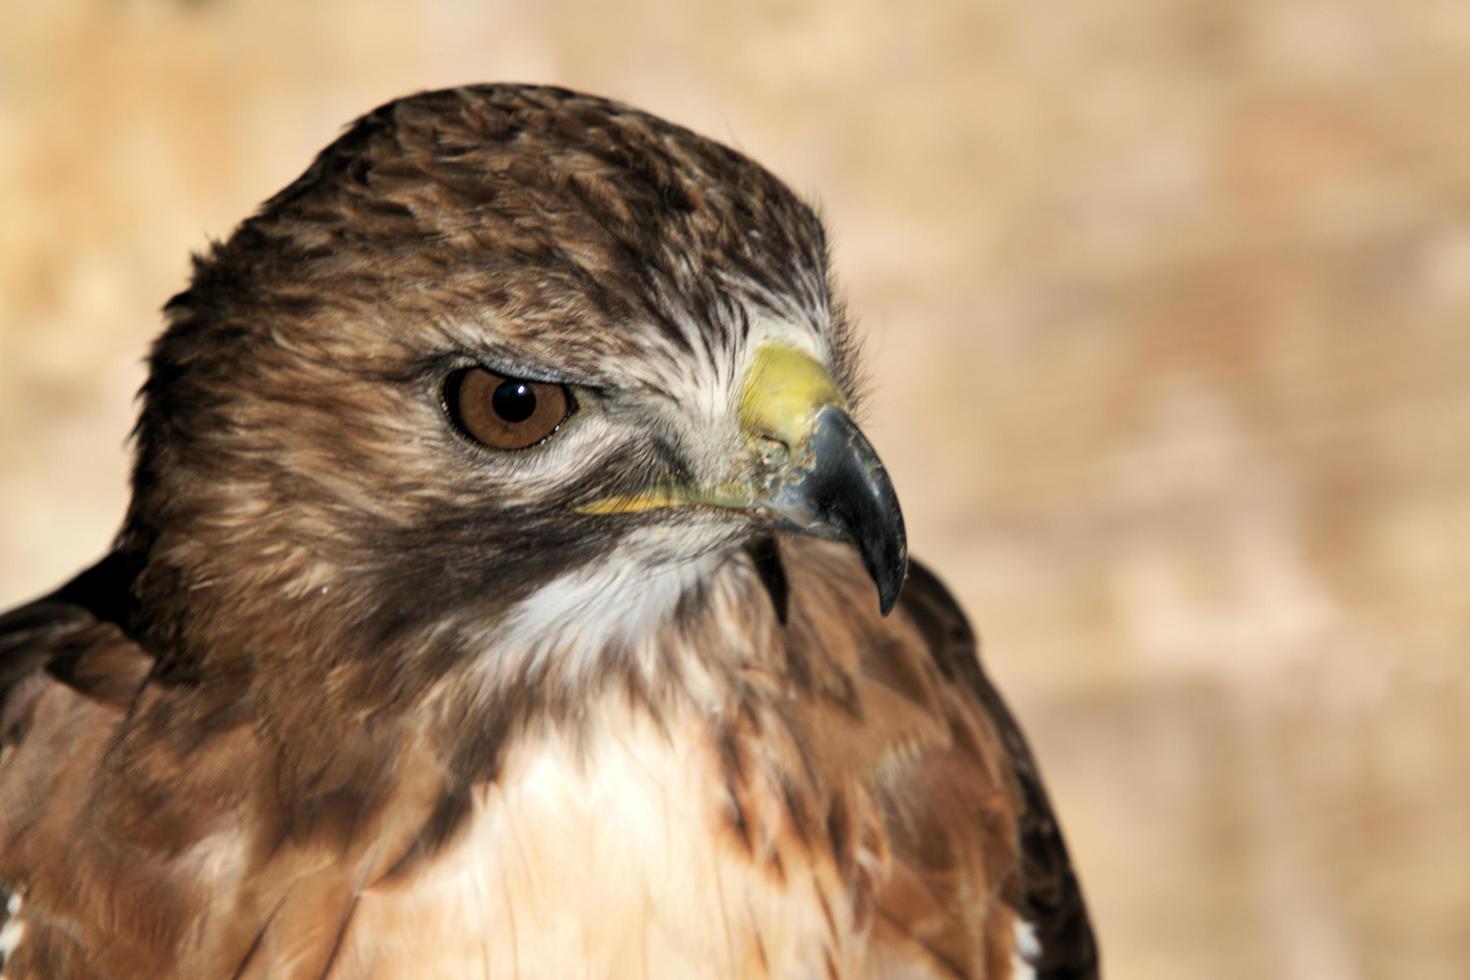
point(514, 401)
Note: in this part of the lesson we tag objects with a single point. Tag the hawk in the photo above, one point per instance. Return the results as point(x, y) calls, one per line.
point(507, 591)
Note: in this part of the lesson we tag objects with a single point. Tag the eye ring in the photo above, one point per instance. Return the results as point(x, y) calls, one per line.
point(501, 412)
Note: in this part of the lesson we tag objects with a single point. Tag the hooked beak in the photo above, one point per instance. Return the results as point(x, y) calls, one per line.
point(839, 490)
point(812, 469)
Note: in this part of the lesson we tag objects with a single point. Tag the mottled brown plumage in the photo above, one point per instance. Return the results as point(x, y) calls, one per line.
point(355, 695)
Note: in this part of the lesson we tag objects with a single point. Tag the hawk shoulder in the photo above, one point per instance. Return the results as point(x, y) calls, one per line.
point(67, 675)
point(968, 873)
point(1054, 936)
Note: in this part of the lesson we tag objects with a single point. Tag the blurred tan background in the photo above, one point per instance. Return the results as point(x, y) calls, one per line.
point(1168, 308)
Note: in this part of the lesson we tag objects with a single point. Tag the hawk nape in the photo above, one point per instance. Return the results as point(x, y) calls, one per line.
point(507, 591)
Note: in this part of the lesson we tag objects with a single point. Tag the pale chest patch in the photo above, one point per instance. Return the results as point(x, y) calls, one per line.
point(615, 860)
point(13, 932)
point(1026, 952)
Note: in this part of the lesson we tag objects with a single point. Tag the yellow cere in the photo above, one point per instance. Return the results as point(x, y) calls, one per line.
point(784, 390)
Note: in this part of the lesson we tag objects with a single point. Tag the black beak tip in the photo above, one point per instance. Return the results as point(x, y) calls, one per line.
point(884, 547)
point(887, 563)
point(858, 501)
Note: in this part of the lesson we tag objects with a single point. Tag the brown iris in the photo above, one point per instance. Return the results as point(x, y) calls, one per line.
point(505, 413)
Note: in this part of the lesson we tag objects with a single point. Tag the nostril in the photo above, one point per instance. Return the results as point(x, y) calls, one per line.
point(773, 442)
point(771, 449)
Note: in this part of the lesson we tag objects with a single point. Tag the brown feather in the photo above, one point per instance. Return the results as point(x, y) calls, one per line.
point(297, 724)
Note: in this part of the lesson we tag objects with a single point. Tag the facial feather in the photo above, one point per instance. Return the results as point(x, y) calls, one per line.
point(293, 454)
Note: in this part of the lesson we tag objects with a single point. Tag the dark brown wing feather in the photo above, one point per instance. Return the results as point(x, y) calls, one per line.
point(1049, 898)
point(72, 640)
point(141, 827)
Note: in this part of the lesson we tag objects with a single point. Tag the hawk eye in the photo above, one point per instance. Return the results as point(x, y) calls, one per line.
point(505, 413)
